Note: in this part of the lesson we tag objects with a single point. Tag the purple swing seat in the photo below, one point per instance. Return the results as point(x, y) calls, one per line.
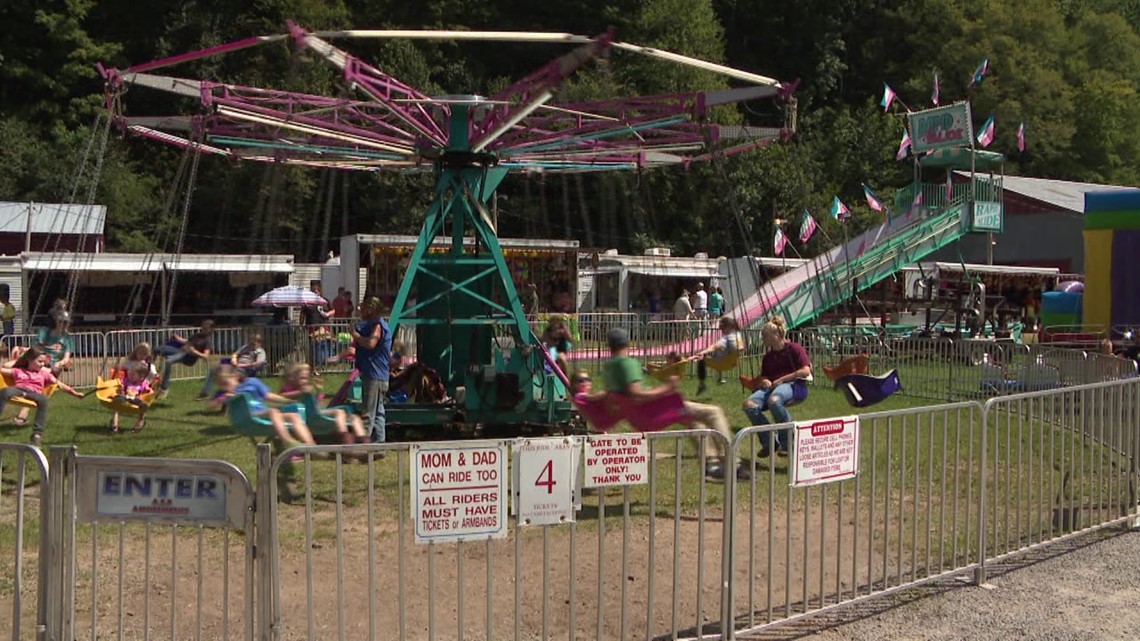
point(863, 390)
point(645, 416)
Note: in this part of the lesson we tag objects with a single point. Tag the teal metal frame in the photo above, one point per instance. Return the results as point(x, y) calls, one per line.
point(836, 284)
point(470, 324)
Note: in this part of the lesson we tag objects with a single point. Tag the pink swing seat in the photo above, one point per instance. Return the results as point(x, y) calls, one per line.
point(645, 416)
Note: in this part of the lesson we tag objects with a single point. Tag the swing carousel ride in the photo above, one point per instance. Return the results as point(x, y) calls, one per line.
point(470, 325)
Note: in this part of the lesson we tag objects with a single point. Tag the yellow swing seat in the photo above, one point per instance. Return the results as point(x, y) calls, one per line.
point(723, 362)
point(7, 382)
point(108, 391)
point(665, 371)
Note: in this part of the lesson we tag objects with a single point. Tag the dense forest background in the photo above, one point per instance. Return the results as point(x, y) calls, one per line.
point(1069, 68)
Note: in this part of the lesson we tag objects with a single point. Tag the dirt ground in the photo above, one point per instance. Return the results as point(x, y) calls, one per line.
point(196, 585)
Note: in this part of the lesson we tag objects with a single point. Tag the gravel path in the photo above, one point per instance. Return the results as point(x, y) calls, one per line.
point(1083, 589)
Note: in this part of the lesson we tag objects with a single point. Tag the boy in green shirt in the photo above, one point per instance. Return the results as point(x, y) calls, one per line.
point(623, 376)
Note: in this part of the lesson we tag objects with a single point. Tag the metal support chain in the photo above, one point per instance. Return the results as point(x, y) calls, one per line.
point(187, 199)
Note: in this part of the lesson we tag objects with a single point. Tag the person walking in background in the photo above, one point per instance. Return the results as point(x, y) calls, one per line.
point(7, 314)
point(342, 304)
point(531, 301)
point(701, 302)
point(683, 308)
point(373, 340)
point(716, 303)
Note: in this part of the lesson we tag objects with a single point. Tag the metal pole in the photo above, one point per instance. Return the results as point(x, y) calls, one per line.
point(28, 229)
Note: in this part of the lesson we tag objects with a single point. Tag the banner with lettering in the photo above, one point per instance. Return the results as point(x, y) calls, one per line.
point(943, 127)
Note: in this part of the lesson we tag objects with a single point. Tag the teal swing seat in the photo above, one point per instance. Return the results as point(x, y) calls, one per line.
point(318, 421)
point(246, 423)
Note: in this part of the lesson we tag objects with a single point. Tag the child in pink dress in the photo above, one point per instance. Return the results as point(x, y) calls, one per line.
point(30, 375)
point(132, 387)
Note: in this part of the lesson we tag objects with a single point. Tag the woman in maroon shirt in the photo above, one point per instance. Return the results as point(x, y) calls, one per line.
point(786, 365)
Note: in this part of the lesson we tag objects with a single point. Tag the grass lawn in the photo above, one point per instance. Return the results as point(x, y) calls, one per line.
point(179, 427)
point(918, 447)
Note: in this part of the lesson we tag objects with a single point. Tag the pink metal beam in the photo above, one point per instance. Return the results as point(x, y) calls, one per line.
point(201, 53)
point(377, 85)
point(531, 92)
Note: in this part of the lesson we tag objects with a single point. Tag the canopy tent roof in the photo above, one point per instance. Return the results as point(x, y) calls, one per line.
point(959, 158)
point(149, 263)
point(52, 218)
point(973, 268)
point(658, 271)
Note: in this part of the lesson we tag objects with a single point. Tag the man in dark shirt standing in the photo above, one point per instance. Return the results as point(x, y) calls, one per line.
point(373, 340)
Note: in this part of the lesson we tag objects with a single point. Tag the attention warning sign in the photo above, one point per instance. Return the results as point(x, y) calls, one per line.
point(826, 451)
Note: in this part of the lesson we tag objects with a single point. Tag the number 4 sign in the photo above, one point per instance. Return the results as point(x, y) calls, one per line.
point(546, 479)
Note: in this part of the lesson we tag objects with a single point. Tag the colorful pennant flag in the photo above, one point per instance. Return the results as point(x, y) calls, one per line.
point(904, 145)
point(949, 186)
point(780, 242)
point(839, 211)
point(888, 98)
point(934, 94)
point(873, 200)
point(1021, 137)
point(980, 73)
point(986, 134)
point(807, 227)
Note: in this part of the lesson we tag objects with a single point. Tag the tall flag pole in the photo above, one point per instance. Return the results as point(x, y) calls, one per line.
point(1021, 137)
point(807, 227)
point(934, 93)
point(986, 134)
point(980, 73)
point(949, 186)
point(904, 145)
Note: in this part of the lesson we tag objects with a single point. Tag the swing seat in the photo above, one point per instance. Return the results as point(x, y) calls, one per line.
point(644, 416)
point(1036, 377)
point(246, 423)
point(108, 392)
point(862, 390)
point(853, 365)
point(319, 422)
point(350, 392)
point(665, 371)
point(799, 390)
point(7, 382)
point(724, 361)
point(995, 379)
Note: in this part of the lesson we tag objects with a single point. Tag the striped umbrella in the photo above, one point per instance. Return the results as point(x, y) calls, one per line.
point(289, 296)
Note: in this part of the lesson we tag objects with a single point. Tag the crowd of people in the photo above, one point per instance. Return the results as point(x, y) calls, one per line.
point(32, 374)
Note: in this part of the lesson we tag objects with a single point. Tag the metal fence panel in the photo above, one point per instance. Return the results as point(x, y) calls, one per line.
point(1059, 462)
point(908, 517)
point(134, 563)
point(24, 540)
point(641, 562)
